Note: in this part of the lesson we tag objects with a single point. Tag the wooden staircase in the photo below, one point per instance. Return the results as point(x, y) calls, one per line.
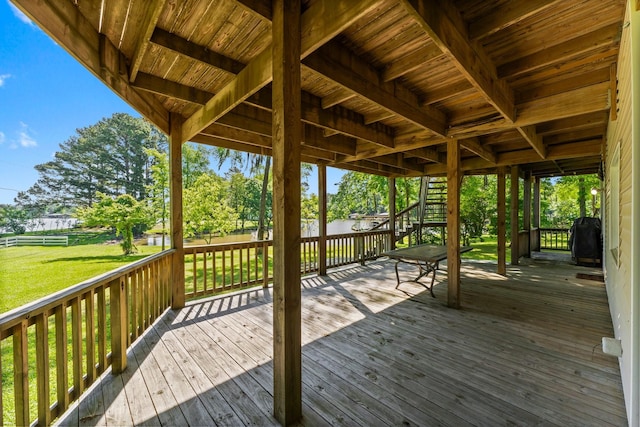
point(428, 213)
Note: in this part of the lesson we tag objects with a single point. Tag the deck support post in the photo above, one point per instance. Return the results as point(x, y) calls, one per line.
point(392, 213)
point(286, 149)
point(535, 246)
point(454, 179)
point(502, 217)
point(175, 195)
point(322, 220)
point(526, 215)
point(515, 178)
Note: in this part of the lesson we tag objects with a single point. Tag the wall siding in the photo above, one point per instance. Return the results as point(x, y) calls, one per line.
point(618, 274)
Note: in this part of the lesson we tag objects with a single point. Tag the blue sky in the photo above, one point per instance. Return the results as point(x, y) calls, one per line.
point(45, 95)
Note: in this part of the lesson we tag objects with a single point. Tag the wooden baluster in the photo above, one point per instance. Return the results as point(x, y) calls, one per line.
point(102, 329)
point(21, 373)
point(224, 269)
point(204, 271)
point(195, 272)
point(42, 368)
point(214, 270)
point(62, 365)
point(91, 336)
point(135, 305)
point(76, 345)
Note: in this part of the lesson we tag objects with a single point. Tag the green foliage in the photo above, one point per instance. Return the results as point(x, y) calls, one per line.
point(108, 157)
point(358, 193)
point(569, 194)
point(122, 213)
point(206, 208)
point(14, 219)
point(478, 201)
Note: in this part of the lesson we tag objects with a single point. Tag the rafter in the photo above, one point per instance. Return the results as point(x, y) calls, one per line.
point(157, 85)
point(149, 23)
point(337, 97)
point(510, 13)
point(448, 32)
point(474, 145)
point(534, 139)
point(410, 62)
point(321, 22)
point(353, 73)
point(200, 53)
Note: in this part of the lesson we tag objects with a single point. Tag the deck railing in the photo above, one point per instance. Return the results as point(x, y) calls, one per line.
point(554, 239)
point(213, 269)
point(58, 346)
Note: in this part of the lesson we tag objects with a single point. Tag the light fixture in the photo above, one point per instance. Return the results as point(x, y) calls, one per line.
point(594, 191)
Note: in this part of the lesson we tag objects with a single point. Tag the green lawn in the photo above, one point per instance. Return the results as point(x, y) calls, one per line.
point(28, 273)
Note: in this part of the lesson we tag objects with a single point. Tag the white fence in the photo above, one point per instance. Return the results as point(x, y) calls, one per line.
point(6, 242)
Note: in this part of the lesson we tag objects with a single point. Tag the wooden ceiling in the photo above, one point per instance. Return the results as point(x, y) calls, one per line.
point(385, 83)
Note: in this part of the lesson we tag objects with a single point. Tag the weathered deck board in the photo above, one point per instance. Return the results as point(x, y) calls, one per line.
point(520, 351)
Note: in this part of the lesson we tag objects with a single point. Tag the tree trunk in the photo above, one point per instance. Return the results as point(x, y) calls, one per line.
point(263, 199)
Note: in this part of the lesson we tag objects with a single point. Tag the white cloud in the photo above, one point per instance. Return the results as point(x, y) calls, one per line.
point(3, 78)
point(24, 139)
point(19, 14)
point(2, 138)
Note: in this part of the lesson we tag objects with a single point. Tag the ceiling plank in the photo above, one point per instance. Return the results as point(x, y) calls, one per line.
point(425, 154)
point(508, 14)
point(410, 62)
point(534, 139)
point(66, 25)
point(353, 73)
point(150, 21)
point(448, 32)
point(321, 22)
point(474, 145)
point(200, 53)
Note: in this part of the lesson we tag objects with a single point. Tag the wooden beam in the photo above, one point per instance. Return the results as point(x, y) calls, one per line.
point(175, 197)
point(515, 226)
point(64, 22)
point(526, 214)
point(151, 16)
point(337, 97)
point(355, 74)
point(536, 204)
point(411, 62)
point(454, 176)
point(448, 31)
point(613, 81)
point(508, 14)
point(160, 86)
point(287, 133)
point(562, 53)
point(261, 8)
point(473, 145)
point(584, 100)
point(534, 139)
point(424, 153)
point(502, 229)
point(373, 118)
point(194, 51)
point(322, 220)
point(320, 22)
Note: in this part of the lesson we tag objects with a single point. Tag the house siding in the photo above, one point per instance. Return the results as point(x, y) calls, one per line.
point(618, 271)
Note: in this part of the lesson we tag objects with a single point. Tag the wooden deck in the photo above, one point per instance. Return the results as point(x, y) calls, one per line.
point(521, 351)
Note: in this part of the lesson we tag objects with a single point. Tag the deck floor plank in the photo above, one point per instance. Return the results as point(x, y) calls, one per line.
point(522, 350)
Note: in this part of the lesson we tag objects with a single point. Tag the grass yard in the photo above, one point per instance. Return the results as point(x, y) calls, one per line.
point(28, 273)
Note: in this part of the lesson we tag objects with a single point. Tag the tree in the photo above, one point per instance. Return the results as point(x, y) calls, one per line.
point(14, 219)
point(309, 211)
point(358, 192)
point(158, 190)
point(122, 212)
point(195, 162)
point(108, 157)
point(478, 201)
point(206, 208)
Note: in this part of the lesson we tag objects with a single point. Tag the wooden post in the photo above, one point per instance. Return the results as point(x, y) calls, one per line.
point(515, 172)
point(502, 217)
point(453, 223)
point(392, 212)
point(526, 215)
point(322, 220)
point(287, 135)
point(536, 202)
point(21, 373)
point(175, 195)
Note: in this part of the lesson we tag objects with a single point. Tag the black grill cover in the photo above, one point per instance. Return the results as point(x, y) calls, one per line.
point(586, 240)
